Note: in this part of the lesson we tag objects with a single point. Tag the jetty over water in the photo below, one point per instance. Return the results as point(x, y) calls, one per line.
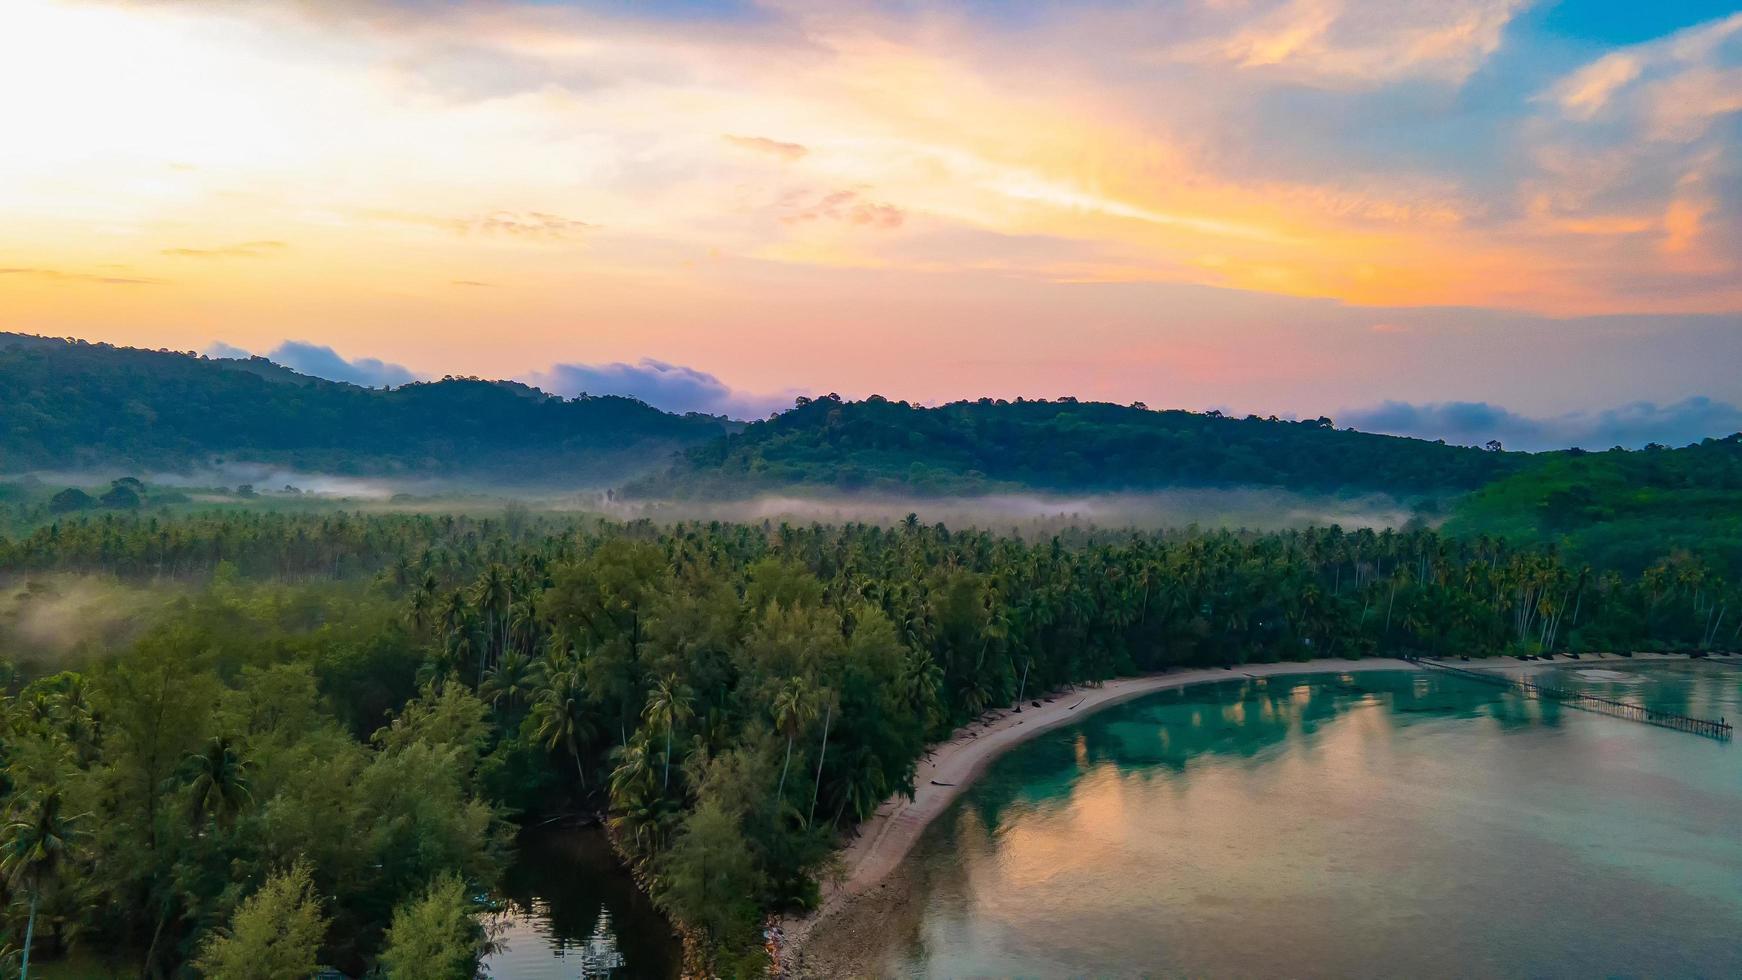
point(1718, 729)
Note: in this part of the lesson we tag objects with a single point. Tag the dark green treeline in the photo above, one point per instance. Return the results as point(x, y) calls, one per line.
point(334, 721)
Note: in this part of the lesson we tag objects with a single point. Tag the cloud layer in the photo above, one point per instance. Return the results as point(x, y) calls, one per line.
point(317, 360)
point(1271, 204)
point(671, 387)
point(1475, 423)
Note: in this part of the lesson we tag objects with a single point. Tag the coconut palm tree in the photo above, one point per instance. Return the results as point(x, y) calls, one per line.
point(668, 705)
point(828, 715)
point(220, 782)
point(793, 709)
point(33, 849)
point(507, 685)
point(919, 683)
point(494, 597)
point(559, 714)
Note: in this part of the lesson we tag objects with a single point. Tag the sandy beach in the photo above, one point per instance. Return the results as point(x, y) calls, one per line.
point(871, 894)
point(886, 838)
point(1587, 661)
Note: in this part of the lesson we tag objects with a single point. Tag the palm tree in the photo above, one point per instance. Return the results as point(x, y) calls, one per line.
point(220, 782)
point(33, 849)
point(419, 612)
point(454, 616)
point(560, 715)
point(493, 597)
point(920, 681)
point(507, 684)
point(828, 714)
point(793, 709)
point(668, 705)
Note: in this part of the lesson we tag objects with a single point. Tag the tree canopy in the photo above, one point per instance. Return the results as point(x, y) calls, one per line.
point(71, 405)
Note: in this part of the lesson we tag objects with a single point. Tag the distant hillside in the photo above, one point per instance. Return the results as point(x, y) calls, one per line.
point(1620, 509)
point(74, 405)
point(1064, 445)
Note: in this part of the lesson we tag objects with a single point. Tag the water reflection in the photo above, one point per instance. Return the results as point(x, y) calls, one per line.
point(571, 912)
point(1369, 824)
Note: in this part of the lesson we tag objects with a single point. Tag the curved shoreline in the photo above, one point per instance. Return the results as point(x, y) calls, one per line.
point(886, 838)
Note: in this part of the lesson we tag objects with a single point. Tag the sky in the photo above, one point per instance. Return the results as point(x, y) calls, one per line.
point(1408, 212)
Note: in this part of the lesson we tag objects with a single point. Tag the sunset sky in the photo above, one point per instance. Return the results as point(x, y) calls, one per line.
point(1297, 207)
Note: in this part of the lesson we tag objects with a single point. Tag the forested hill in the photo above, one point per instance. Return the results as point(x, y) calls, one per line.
point(1065, 445)
point(1620, 509)
point(75, 405)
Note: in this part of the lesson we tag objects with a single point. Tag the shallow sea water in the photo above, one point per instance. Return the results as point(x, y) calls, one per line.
point(1379, 824)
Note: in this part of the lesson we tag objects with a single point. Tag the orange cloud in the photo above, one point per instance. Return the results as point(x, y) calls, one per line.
point(457, 148)
point(241, 250)
point(761, 144)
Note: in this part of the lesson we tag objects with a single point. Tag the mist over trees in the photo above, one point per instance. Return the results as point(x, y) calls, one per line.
point(336, 720)
point(243, 734)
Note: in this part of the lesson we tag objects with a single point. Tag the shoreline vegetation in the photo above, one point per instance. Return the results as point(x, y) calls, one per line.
point(837, 938)
point(352, 711)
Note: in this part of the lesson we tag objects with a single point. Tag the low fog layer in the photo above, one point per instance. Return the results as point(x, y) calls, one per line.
point(1239, 507)
point(264, 478)
point(1254, 508)
point(50, 618)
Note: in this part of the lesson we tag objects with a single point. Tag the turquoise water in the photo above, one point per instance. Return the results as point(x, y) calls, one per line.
point(1365, 824)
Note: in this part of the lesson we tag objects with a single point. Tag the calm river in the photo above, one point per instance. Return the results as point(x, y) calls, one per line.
point(573, 912)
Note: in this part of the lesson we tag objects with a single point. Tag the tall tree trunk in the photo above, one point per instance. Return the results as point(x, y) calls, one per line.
point(818, 788)
point(29, 935)
point(666, 783)
point(781, 789)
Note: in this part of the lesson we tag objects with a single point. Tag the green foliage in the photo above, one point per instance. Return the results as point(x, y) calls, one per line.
point(1621, 510)
point(75, 405)
point(436, 936)
point(69, 500)
point(710, 880)
point(986, 446)
point(374, 695)
point(275, 934)
point(209, 754)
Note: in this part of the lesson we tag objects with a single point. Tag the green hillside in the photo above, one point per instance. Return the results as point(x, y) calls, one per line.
point(1064, 445)
point(1620, 509)
point(72, 405)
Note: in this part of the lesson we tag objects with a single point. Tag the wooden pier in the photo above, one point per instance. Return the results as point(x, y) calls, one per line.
point(1719, 729)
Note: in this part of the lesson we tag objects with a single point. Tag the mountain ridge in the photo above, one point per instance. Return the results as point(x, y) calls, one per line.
point(71, 404)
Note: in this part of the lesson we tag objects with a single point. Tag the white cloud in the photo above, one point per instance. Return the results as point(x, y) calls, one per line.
point(319, 361)
point(1474, 423)
point(1347, 43)
point(671, 387)
point(1670, 89)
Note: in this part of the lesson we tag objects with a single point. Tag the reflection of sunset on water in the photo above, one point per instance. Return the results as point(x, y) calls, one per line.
point(1345, 821)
